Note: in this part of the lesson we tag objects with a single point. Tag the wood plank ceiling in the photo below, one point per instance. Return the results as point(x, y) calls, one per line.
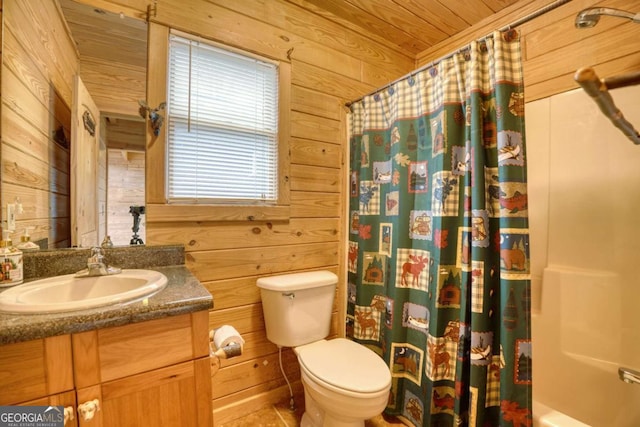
point(409, 26)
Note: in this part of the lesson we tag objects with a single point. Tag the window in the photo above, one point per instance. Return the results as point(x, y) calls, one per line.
point(222, 125)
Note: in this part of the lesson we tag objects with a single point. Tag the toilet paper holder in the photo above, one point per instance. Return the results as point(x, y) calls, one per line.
point(224, 342)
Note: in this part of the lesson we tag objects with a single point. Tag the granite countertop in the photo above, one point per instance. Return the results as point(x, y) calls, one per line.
point(183, 294)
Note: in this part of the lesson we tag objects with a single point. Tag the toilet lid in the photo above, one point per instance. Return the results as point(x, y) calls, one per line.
point(345, 364)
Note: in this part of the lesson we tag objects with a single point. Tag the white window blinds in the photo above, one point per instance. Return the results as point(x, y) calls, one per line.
point(222, 124)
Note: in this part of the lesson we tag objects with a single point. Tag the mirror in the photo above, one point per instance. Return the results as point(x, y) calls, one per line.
point(38, 117)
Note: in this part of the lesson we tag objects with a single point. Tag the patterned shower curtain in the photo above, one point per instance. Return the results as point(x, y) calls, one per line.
point(438, 255)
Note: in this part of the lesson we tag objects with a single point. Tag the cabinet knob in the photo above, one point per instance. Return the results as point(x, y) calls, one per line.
point(88, 409)
point(68, 414)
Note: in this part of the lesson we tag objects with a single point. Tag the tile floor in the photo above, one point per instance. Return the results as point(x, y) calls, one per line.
point(281, 416)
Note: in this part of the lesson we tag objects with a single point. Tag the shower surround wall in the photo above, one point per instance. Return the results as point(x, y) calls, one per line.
point(584, 203)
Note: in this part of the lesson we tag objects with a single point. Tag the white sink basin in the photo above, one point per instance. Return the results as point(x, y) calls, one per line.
point(66, 293)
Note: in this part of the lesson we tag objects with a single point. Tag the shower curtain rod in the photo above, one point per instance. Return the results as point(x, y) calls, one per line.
point(514, 24)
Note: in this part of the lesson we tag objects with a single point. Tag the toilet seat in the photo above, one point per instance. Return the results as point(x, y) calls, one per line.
point(344, 365)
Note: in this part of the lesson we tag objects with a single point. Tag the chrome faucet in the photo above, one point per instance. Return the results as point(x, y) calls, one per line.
point(629, 376)
point(97, 266)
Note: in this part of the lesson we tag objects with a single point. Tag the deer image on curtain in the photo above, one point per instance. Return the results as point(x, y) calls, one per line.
point(439, 247)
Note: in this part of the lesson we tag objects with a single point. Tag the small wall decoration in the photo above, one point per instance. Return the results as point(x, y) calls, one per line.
point(89, 122)
point(155, 117)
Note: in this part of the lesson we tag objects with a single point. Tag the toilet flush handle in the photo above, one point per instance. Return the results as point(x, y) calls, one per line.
point(290, 295)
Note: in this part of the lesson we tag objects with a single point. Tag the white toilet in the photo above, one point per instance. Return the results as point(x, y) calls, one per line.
point(344, 382)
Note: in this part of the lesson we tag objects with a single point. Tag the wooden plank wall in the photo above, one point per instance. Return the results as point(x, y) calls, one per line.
point(112, 66)
point(126, 188)
point(329, 65)
point(39, 61)
point(554, 49)
point(126, 165)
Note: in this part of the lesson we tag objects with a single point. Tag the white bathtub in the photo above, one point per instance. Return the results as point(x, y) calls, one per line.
point(543, 416)
point(580, 339)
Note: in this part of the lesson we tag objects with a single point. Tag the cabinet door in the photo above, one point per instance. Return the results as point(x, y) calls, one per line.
point(34, 369)
point(68, 400)
point(178, 395)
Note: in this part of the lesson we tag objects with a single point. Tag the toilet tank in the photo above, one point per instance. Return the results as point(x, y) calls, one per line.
point(297, 307)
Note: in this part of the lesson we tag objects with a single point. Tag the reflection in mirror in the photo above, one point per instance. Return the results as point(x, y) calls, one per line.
point(125, 177)
point(108, 53)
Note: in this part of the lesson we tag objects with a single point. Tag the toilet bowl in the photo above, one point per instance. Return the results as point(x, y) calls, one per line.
point(344, 383)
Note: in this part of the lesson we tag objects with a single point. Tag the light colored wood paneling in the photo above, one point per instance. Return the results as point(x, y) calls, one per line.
point(228, 251)
point(313, 178)
point(553, 48)
point(36, 111)
point(21, 134)
point(264, 39)
point(125, 189)
point(156, 93)
point(38, 28)
point(324, 31)
point(239, 376)
point(252, 399)
point(305, 204)
point(328, 82)
point(157, 213)
point(314, 153)
point(38, 65)
point(317, 103)
point(116, 87)
point(246, 318)
point(315, 127)
point(128, 35)
point(126, 134)
point(498, 20)
point(201, 237)
point(238, 292)
point(352, 13)
point(22, 169)
point(268, 260)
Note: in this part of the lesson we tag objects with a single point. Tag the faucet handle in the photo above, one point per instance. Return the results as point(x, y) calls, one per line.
point(97, 254)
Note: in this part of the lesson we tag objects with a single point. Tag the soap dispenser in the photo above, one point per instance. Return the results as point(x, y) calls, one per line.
point(10, 261)
point(25, 241)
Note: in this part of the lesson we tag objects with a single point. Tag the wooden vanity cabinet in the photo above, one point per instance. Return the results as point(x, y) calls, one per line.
point(151, 373)
point(35, 369)
point(66, 399)
point(154, 373)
